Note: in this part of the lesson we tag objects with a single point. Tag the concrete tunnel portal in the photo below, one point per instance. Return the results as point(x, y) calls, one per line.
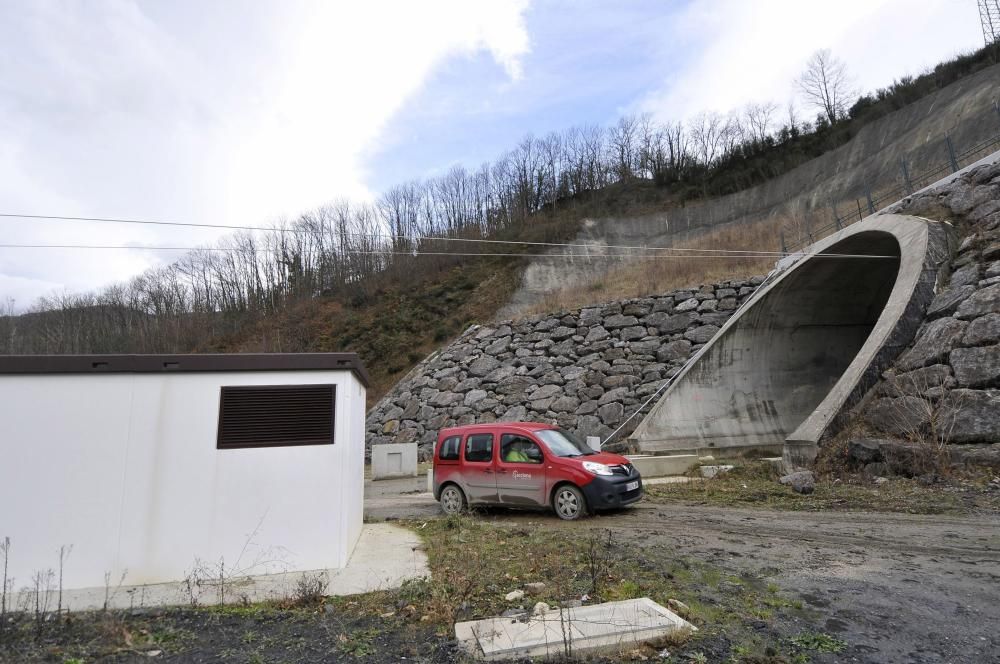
point(806, 345)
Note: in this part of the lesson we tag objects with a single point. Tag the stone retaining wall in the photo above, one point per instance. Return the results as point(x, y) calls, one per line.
point(586, 369)
point(947, 384)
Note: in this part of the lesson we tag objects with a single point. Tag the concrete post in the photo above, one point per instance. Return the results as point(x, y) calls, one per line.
point(394, 460)
point(906, 176)
point(951, 153)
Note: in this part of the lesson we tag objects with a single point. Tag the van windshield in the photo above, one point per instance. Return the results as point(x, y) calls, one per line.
point(563, 443)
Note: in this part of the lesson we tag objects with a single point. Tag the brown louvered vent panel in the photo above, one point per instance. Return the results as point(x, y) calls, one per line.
point(276, 415)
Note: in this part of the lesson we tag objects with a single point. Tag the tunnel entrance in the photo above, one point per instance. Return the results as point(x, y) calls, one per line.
point(771, 367)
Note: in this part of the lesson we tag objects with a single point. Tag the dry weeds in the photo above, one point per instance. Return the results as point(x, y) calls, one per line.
point(641, 278)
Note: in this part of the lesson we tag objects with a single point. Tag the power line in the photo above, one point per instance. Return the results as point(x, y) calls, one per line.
point(730, 254)
point(389, 236)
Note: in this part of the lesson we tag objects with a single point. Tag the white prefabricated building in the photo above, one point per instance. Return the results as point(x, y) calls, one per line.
point(151, 465)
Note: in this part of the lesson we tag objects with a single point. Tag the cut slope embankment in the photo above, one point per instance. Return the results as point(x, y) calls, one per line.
point(796, 203)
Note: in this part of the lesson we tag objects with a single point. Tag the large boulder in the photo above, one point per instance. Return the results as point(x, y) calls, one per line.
point(900, 416)
point(983, 330)
point(919, 382)
point(976, 367)
point(863, 451)
point(801, 481)
point(946, 302)
point(969, 416)
point(482, 366)
point(980, 303)
point(616, 321)
point(934, 341)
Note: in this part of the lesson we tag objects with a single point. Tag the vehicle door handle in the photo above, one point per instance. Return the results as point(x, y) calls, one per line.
point(487, 470)
point(501, 472)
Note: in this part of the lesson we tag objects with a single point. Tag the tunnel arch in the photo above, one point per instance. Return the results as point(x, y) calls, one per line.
point(806, 346)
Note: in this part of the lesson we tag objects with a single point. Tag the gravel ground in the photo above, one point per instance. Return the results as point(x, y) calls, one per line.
point(895, 587)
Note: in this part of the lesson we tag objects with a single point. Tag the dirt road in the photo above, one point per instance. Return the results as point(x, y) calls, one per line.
point(895, 587)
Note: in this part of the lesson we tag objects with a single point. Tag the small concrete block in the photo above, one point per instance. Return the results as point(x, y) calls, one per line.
point(587, 628)
point(394, 460)
point(662, 466)
point(708, 472)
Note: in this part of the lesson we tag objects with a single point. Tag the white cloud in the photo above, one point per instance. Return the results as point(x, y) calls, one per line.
point(231, 113)
point(753, 51)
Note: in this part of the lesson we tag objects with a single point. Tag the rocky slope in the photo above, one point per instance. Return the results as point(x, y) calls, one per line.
point(946, 386)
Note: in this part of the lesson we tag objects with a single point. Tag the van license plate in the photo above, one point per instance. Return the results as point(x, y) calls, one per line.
point(632, 486)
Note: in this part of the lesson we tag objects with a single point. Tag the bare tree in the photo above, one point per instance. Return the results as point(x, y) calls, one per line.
point(708, 132)
point(757, 119)
point(826, 84)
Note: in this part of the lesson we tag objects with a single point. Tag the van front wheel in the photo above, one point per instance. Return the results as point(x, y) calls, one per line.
point(452, 499)
point(569, 503)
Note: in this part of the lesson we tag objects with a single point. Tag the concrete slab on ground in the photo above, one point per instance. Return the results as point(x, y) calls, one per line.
point(384, 557)
point(674, 479)
point(661, 466)
point(572, 630)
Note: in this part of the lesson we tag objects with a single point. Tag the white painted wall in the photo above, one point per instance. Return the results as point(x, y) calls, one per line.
point(124, 468)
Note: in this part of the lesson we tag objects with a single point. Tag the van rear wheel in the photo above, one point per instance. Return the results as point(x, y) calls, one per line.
point(569, 503)
point(452, 499)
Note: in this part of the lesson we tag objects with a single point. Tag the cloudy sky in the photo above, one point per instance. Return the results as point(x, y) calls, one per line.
point(240, 112)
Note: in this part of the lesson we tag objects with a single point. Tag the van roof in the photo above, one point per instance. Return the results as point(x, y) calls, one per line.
point(467, 428)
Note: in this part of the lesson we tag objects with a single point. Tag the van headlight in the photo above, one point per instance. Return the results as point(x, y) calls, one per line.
point(596, 468)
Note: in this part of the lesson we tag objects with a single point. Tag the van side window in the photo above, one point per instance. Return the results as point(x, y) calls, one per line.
point(449, 448)
point(479, 447)
point(518, 449)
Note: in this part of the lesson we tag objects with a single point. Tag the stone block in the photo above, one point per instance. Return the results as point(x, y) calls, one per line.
point(983, 330)
point(976, 367)
point(982, 302)
point(934, 341)
point(946, 302)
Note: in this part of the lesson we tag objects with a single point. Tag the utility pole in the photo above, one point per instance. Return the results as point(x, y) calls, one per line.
point(989, 16)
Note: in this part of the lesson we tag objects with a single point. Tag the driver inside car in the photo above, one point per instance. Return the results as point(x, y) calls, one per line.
point(516, 454)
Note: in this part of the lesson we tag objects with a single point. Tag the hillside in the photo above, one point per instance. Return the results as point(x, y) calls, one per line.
point(795, 205)
point(334, 280)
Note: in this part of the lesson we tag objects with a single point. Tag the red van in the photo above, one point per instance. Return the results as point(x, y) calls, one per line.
point(527, 464)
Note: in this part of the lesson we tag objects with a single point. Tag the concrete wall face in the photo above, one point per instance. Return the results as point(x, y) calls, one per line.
point(124, 468)
point(770, 368)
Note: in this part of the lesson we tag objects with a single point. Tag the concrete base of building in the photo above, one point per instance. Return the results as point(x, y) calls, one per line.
point(384, 557)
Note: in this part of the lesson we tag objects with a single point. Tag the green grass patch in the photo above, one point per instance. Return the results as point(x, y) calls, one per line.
point(476, 562)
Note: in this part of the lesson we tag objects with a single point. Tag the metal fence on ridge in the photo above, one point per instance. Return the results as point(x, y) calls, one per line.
point(845, 214)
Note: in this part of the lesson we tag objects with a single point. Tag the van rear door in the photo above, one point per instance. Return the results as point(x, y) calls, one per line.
point(520, 470)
